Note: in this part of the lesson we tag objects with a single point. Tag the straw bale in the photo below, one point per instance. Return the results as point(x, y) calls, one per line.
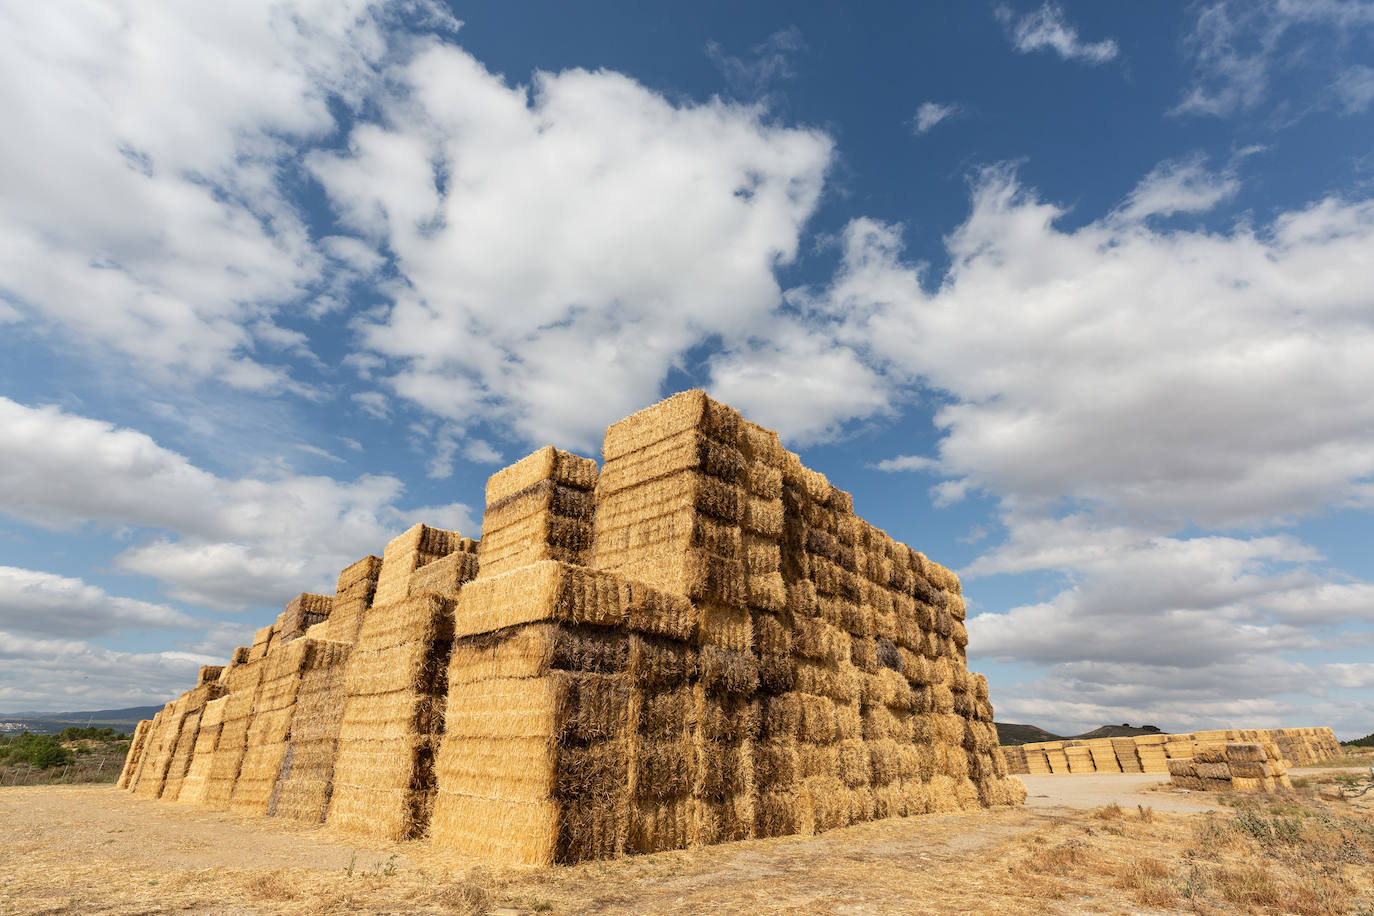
point(151, 780)
point(445, 576)
point(687, 410)
point(532, 650)
point(1104, 759)
point(724, 769)
point(763, 516)
point(303, 612)
point(817, 759)
point(771, 635)
point(1245, 784)
point(658, 826)
point(541, 497)
point(1208, 770)
point(683, 451)
point(766, 592)
point(657, 662)
point(539, 537)
point(1182, 767)
point(829, 801)
point(666, 714)
point(981, 737)
point(663, 511)
point(802, 600)
point(1251, 752)
point(848, 720)
point(726, 718)
point(650, 611)
point(939, 576)
point(853, 763)
point(1214, 754)
point(763, 480)
point(547, 590)
point(863, 652)
point(777, 763)
point(366, 569)
point(725, 625)
point(880, 723)
point(781, 716)
point(816, 718)
point(814, 638)
point(1250, 769)
point(496, 830)
point(839, 682)
point(726, 671)
point(661, 769)
point(549, 463)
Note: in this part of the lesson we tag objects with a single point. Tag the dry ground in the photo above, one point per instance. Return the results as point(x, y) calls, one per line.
point(1081, 845)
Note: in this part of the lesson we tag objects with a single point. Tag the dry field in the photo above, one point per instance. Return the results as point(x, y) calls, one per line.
point(1120, 844)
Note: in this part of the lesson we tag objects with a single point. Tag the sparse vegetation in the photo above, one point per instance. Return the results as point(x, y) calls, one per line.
point(76, 755)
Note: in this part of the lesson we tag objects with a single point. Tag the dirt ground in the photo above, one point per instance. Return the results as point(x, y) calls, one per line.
point(1081, 844)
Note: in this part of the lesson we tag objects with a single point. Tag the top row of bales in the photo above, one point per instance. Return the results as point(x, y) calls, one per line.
point(697, 642)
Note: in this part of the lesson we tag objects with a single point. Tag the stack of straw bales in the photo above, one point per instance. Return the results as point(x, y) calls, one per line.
point(135, 755)
point(197, 782)
point(699, 643)
point(540, 508)
point(268, 732)
point(303, 612)
point(396, 685)
point(1231, 768)
point(353, 597)
point(242, 678)
point(305, 780)
point(1152, 753)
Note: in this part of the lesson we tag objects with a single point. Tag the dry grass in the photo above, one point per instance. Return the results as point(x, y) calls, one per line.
point(1297, 853)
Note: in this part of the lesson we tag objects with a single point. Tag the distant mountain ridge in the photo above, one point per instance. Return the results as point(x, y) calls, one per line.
point(1010, 733)
point(122, 720)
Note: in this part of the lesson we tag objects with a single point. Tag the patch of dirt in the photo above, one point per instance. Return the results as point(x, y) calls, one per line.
point(98, 850)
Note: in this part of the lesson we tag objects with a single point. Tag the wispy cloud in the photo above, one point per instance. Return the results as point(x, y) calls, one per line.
point(1048, 29)
point(931, 113)
point(754, 78)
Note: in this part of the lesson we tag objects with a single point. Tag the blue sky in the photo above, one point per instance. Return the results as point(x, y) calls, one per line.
point(1075, 298)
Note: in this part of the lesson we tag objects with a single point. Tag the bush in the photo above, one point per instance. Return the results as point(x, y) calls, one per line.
point(42, 751)
point(86, 733)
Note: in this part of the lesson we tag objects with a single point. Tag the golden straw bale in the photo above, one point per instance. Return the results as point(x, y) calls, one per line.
point(548, 463)
point(687, 410)
point(764, 481)
point(538, 537)
point(727, 671)
point(657, 662)
point(661, 769)
point(407, 552)
point(829, 801)
point(542, 591)
point(543, 497)
point(688, 450)
point(725, 625)
point(445, 576)
point(368, 568)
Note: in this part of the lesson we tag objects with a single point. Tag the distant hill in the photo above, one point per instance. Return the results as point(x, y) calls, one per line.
point(1119, 731)
point(1010, 734)
point(50, 723)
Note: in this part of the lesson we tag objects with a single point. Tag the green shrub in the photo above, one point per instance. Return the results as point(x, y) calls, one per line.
point(42, 751)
